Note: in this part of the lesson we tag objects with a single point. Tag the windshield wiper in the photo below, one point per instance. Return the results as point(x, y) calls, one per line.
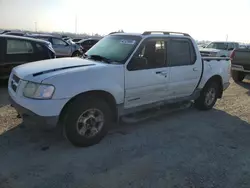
point(98, 58)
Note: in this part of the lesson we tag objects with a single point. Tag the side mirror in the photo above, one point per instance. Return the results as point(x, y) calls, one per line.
point(137, 63)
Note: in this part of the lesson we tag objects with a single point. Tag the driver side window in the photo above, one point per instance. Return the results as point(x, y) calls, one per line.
point(56, 41)
point(150, 55)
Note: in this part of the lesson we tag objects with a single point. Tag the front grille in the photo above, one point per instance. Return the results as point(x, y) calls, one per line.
point(205, 54)
point(14, 82)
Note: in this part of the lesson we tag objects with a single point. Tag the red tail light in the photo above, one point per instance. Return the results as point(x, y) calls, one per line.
point(232, 55)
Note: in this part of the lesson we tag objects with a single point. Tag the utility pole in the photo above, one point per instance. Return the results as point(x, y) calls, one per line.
point(76, 24)
point(36, 26)
point(226, 37)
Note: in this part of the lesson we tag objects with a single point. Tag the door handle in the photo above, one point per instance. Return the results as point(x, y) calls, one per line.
point(163, 73)
point(195, 69)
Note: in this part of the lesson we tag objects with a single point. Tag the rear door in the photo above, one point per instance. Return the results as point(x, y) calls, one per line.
point(62, 48)
point(16, 52)
point(185, 67)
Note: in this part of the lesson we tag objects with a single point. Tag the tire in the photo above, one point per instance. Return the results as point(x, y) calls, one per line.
point(76, 54)
point(75, 132)
point(238, 76)
point(202, 102)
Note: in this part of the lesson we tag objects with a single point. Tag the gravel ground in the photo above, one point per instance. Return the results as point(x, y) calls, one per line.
point(187, 149)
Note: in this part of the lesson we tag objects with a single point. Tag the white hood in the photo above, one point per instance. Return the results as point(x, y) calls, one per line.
point(208, 50)
point(51, 65)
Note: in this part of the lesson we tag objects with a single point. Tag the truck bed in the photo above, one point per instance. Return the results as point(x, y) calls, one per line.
point(241, 59)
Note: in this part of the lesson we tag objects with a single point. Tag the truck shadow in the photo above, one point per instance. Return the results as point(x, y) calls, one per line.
point(185, 140)
point(3, 95)
point(245, 84)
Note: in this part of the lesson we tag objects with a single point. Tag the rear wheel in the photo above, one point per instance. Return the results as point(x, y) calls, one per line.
point(238, 76)
point(208, 96)
point(76, 54)
point(87, 121)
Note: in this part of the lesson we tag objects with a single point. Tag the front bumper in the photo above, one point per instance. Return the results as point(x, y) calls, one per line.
point(225, 86)
point(31, 117)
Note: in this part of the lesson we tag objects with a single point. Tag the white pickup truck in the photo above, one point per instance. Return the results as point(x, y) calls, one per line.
point(122, 74)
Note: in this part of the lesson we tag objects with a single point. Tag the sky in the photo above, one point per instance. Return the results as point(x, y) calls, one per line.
point(202, 19)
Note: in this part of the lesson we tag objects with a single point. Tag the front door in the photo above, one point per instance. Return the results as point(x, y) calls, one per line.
point(146, 75)
point(185, 67)
point(16, 52)
point(62, 48)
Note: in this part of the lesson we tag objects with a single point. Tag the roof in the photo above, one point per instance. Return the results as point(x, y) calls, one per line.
point(25, 38)
point(154, 34)
point(44, 35)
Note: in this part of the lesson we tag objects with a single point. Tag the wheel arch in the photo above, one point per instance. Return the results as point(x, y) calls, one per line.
point(217, 79)
point(104, 95)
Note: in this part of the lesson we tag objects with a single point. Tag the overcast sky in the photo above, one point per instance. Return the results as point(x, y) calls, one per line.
point(203, 19)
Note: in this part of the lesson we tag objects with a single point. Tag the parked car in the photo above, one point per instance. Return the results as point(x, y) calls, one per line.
point(219, 49)
point(240, 64)
point(122, 74)
point(87, 43)
point(61, 47)
point(19, 50)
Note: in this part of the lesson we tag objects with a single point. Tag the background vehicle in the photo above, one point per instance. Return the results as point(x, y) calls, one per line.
point(61, 47)
point(219, 49)
point(240, 64)
point(122, 74)
point(87, 43)
point(19, 50)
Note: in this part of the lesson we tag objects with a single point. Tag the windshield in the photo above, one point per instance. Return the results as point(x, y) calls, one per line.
point(70, 41)
point(218, 45)
point(116, 48)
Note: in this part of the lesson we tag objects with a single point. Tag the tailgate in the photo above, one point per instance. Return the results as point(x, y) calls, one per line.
point(241, 57)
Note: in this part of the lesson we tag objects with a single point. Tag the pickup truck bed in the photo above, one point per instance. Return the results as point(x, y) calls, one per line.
point(240, 64)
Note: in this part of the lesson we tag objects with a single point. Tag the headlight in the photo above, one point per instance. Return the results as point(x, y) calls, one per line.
point(38, 91)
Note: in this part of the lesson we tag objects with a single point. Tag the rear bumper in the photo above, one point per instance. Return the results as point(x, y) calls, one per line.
point(30, 117)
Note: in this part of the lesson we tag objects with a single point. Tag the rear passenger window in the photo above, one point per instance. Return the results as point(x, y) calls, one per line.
point(39, 47)
point(181, 53)
point(19, 47)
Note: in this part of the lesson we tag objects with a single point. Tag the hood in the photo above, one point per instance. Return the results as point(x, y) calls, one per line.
point(208, 50)
point(46, 66)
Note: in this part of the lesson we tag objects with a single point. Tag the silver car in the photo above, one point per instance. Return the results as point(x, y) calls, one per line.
point(62, 47)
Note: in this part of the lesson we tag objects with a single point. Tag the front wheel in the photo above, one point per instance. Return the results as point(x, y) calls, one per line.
point(208, 97)
point(238, 76)
point(76, 54)
point(87, 121)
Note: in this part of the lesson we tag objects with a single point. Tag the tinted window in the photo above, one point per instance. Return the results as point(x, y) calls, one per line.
point(181, 53)
point(93, 42)
point(56, 41)
point(115, 47)
point(153, 54)
point(218, 45)
point(19, 47)
point(39, 47)
point(86, 42)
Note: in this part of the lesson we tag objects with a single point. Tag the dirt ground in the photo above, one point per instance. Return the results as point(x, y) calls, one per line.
point(186, 149)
